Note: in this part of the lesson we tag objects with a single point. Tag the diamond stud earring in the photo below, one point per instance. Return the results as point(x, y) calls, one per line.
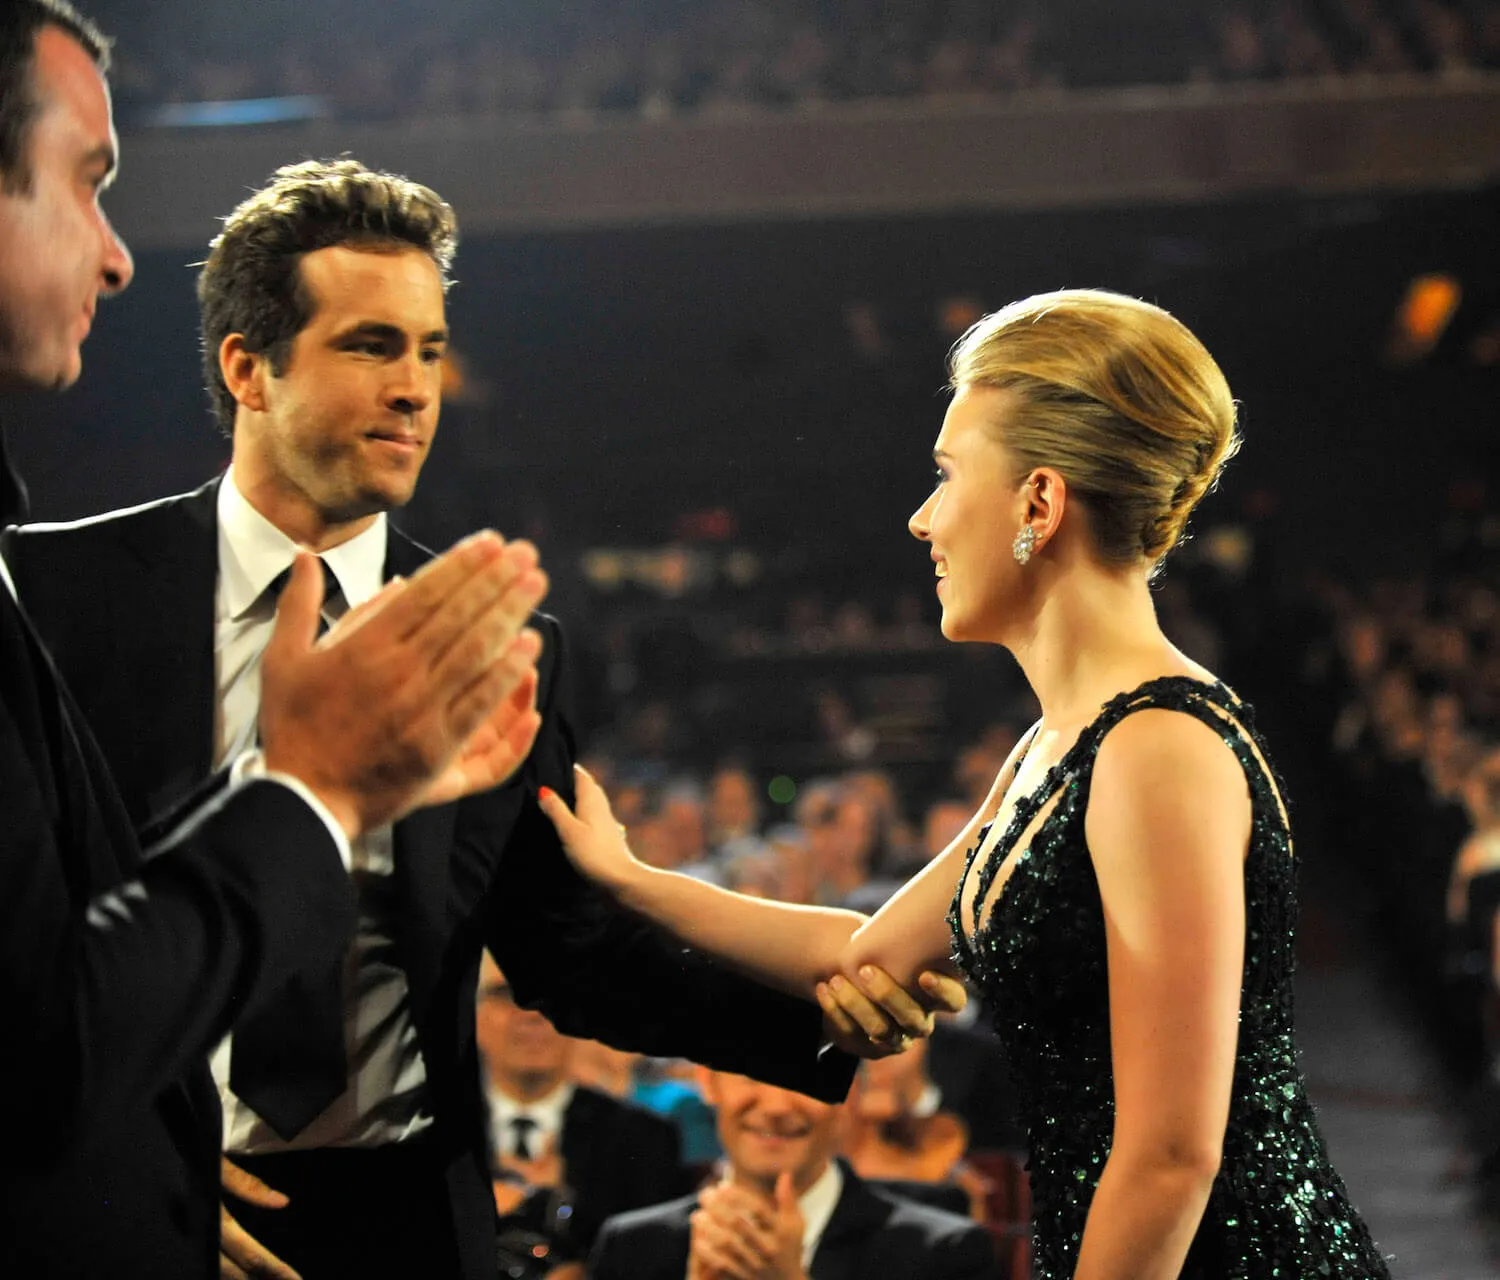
point(1024, 544)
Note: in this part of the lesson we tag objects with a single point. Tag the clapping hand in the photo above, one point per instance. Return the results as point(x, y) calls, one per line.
point(494, 751)
point(739, 1233)
point(375, 717)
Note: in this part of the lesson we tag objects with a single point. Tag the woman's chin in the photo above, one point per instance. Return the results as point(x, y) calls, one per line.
point(962, 630)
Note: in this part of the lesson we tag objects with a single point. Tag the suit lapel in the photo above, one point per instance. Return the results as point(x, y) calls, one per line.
point(422, 842)
point(857, 1217)
point(165, 612)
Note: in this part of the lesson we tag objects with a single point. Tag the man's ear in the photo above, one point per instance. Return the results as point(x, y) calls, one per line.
point(244, 372)
point(708, 1085)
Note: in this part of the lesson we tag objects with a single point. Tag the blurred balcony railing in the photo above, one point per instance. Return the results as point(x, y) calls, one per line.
point(1038, 150)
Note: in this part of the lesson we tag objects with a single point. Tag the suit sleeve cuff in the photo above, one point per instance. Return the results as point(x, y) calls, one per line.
point(251, 764)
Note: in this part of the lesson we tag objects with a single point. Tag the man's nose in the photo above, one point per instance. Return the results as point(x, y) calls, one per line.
point(119, 267)
point(412, 389)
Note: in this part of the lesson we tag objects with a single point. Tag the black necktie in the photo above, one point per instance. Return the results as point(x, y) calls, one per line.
point(522, 1127)
point(287, 1061)
point(331, 589)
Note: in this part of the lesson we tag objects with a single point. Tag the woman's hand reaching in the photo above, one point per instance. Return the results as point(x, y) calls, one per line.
point(594, 840)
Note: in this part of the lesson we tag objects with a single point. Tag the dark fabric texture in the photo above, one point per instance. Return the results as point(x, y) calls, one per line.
point(615, 1157)
point(1039, 959)
point(119, 971)
point(384, 1213)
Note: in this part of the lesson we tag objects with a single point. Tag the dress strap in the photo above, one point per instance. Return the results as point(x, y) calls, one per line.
point(1215, 705)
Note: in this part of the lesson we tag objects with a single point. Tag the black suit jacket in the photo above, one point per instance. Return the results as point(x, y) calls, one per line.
point(118, 973)
point(616, 1156)
point(870, 1234)
point(127, 603)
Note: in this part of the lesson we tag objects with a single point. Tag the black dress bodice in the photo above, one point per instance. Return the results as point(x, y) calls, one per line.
point(1277, 1208)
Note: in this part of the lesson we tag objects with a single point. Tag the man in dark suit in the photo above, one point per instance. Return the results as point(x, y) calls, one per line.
point(120, 970)
point(324, 330)
point(600, 1155)
point(787, 1210)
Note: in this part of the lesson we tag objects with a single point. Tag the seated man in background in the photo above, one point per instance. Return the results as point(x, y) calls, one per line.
point(786, 1209)
point(595, 1155)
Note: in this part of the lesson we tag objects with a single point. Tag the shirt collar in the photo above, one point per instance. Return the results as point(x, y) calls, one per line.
point(817, 1204)
point(252, 551)
point(547, 1111)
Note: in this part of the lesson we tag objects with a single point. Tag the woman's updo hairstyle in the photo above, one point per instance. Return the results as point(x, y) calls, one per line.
point(1118, 397)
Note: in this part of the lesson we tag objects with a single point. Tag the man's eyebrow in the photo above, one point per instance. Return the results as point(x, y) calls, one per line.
point(389, 332)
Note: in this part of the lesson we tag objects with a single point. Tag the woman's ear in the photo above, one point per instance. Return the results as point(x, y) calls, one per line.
point(1046, 498)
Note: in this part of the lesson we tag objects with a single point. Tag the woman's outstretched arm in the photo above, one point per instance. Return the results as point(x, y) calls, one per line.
point(785, 945)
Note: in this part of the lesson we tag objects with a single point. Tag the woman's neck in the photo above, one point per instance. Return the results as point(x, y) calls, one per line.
point(1095, 635)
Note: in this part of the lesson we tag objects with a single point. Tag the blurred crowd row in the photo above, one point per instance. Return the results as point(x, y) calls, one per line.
point(664, 58)
point(1405, 677)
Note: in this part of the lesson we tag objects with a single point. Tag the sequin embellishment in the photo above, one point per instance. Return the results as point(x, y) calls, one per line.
point(1277, 1208)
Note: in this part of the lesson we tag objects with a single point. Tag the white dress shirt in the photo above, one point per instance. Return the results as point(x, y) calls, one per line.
point(546, 1115)
point(387, 1077)
point(817, 1204)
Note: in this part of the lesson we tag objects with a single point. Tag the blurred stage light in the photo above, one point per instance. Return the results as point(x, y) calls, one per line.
point(955, 316)
point(1423, 316)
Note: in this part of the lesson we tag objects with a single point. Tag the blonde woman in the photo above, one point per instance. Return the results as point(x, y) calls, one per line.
point(1125, 896)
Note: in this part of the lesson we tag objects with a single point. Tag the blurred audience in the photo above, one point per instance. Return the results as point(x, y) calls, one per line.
point(566, 1156)
point(1404, 671)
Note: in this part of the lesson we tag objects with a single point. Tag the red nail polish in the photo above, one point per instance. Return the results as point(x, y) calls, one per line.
point(545, 793)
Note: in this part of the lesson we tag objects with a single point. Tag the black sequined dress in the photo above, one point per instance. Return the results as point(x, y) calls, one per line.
point(1277, 1208)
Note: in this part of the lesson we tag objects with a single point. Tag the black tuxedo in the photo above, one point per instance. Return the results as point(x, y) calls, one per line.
point(127, 603)
point(119, 973)
point(870, 1234)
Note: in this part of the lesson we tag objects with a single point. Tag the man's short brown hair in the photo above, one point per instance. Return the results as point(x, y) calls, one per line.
point(252, 282)
point(20, 20)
